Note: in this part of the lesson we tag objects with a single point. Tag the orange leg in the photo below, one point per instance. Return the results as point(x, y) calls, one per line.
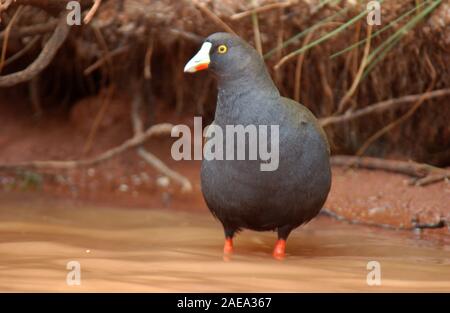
point(279, 252)
point(228, 246)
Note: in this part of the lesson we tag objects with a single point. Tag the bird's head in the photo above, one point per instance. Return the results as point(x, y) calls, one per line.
point(226, 55)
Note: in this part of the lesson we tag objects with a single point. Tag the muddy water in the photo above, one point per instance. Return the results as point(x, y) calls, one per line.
point(162, 250)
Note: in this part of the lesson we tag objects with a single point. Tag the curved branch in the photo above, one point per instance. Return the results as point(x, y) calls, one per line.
point(43, 60)
point(133, 142)
point(382, 106)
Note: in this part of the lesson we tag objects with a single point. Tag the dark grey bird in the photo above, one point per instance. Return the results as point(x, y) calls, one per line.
point(238, 192)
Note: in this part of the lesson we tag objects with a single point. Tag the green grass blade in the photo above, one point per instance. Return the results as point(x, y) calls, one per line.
point(404, 29)
point(387, 45)
point(380, 57)
point(304, 33)
point(391, 24)
point(330, 34)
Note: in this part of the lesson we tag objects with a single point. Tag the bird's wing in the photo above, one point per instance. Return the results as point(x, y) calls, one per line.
point(302, 113)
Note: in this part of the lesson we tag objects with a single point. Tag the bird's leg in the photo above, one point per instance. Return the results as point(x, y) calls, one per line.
point(279, 252)
point(228, 246)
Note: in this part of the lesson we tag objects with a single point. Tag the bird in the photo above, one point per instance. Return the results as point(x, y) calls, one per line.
point(237, 192)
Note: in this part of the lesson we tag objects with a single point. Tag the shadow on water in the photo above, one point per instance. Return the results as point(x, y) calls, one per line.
point(162, 250)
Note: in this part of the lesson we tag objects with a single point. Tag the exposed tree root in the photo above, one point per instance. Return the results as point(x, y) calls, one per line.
point(22, 52)
point(139, 138)
point(43, 60)
point(424, 174)
point(31, 30)
point(6, 38)
point(415, 224)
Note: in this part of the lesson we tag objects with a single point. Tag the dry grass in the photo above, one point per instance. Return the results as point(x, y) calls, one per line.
point(174, 28)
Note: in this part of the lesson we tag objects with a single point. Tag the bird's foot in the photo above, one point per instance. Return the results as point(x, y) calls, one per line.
point(228, 246)
point(279, 252)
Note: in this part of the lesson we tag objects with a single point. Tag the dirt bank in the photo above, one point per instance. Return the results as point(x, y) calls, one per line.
point(372, 197)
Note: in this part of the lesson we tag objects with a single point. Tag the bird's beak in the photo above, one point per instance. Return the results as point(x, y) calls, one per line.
point(200, 61)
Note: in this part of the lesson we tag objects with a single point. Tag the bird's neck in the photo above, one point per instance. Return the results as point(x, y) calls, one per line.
point(255, 89)
point(255, 79)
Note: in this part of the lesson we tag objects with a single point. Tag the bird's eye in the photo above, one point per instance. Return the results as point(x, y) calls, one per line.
point(222, 49)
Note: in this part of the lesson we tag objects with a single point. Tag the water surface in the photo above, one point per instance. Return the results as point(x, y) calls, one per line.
point(164, 250)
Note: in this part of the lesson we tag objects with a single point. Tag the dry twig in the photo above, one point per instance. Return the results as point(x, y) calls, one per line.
point(107, 57)
point(214, 17)
point(92, 11)
point(403, 118)
point(148, 60)
point(263, 8)
point(30, 44)
point(150, 158)
point(257, 33)
point(298, 69)
point(159, 165)
point(359, 74)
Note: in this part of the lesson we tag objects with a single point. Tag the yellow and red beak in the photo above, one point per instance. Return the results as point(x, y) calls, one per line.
point(200, 61)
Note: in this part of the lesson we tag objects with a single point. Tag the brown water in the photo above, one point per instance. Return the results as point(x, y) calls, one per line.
point(161, 250)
